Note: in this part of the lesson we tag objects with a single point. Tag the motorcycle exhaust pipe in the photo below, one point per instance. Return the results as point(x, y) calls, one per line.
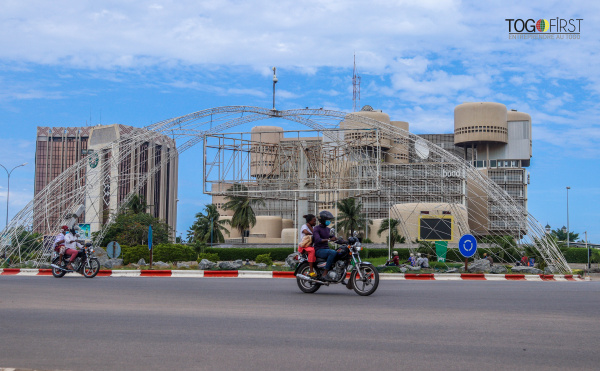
point(61, 268)
point(306, 278)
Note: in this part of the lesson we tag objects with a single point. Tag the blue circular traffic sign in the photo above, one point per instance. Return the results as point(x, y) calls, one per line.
point(467, 245)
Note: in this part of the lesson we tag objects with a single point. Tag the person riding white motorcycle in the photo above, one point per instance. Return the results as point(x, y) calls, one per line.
point(72, 247)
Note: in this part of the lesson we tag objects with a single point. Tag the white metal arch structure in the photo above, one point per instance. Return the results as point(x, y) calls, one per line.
point(72, 188)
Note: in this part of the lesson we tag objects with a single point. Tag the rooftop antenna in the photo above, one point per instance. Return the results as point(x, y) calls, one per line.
point(274, 82)
point(355, 86)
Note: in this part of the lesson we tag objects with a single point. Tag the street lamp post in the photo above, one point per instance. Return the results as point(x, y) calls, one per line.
point(8, 187)
point(568, 229)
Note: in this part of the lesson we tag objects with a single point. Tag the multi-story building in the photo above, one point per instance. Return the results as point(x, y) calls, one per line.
point(415, 186)
point(58, 148)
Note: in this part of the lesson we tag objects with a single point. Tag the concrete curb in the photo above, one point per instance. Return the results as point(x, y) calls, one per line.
point(276, 274)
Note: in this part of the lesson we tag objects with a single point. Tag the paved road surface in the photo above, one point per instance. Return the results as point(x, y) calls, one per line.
point(232, 324)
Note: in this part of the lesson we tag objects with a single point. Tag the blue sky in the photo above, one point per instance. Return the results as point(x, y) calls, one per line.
point(68, 63)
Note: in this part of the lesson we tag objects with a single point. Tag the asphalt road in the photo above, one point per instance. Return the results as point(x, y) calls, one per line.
point(251, 324)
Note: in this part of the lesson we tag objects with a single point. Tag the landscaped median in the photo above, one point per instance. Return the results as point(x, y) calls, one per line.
point(289, 274)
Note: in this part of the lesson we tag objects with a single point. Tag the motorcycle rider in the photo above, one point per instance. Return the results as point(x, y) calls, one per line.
point(72, 247)
point(321, 238)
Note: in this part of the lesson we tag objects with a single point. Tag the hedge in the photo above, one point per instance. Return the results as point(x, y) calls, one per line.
point(235, 253)
point(163, 252)
point(577, 255)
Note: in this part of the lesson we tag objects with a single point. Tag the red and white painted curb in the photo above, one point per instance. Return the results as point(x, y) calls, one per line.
point(276, 274)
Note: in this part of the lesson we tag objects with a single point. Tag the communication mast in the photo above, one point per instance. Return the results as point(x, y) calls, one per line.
point(355, 86)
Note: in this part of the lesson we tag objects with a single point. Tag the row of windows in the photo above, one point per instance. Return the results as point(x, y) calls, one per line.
point(481, 129)
point(497, 163)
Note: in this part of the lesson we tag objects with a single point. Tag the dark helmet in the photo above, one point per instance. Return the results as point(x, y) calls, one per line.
point(325, 215)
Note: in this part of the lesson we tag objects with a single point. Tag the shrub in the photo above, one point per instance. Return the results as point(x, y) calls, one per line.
point(264, 258)
point(576, 255)
point(212, 257)
point(132, 254)
point(173, 253)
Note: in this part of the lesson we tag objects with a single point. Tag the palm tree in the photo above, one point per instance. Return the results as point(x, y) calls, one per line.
point(243, 214)
point(137, 204)
point(350, 218)
point(207, 227)
point(392, 225)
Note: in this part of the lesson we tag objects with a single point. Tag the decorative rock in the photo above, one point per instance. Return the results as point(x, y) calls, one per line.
point(141, 262)
point(193, 264)
point(529, 270)
point(452, 270)
point(481, 265)
point(116, 263)
point(184, 265)
point(230, 266)
point(160, 264)
point(45, 266)
point(498, 269)
point(206, 264)
point(414, 268)
point(290, 261)
point(100, 252)
point(403, 269)
point(107, 264)
point(261, 265)
point(551, 270)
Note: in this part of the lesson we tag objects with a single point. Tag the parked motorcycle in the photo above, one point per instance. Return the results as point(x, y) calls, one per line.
point(364, 278)
point(85, 263)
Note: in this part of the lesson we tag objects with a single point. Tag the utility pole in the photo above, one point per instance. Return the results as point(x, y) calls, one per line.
point(355, 86)
point(8, 189)
point(568, 228)
point(274, 82)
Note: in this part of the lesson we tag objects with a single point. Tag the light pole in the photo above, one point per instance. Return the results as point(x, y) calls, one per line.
point(8, 188)
point(568, 230)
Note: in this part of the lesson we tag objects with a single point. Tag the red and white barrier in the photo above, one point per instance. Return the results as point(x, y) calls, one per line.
point(278, 274)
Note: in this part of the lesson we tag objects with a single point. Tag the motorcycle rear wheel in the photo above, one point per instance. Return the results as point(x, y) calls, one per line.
point(306, 286)
point(91, 268)
point(57, 272)
point(368, 285)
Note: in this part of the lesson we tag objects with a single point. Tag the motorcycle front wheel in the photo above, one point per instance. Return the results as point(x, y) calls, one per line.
point(57, 272)
point(91, 268)
point(368, 284)
point(306, 286)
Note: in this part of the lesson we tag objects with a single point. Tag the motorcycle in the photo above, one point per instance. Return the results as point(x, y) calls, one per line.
point(364, 278)
point(85, 263)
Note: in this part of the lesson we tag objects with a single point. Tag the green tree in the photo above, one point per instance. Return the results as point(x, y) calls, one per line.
point(562, 236)
point(136, 205)
point(207, 224)
point(241, 204)
point(350, 216)
point(132, 229)
point(391, 225)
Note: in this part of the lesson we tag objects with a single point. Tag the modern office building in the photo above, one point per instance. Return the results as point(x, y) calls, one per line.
point(418, 189)
point(58, 148)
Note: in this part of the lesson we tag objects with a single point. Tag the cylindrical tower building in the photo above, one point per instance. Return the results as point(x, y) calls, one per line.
point(480, 122)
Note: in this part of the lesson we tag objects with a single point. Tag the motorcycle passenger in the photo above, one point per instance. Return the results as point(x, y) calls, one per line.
point(71, 246)
point(306, 239)
point(305, 247)
point(321, 238)
point(59, 243)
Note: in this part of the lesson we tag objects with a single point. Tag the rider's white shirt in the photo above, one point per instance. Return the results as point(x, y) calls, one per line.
point(71, 241)
point(304, 228)
point(58, 240)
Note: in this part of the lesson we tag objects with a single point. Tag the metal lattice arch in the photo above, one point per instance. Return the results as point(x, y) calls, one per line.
point(349, 165)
